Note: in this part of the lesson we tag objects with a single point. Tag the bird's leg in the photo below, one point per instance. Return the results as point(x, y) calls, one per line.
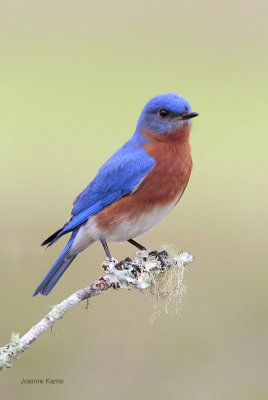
point(136, 244)
point(120, 264)
point(157, 254)
point(140, 247)
point(106, 249)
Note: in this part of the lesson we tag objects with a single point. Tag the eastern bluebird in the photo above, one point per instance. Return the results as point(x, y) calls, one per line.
point(134, 189)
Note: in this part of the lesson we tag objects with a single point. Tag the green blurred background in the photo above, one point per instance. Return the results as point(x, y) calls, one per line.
point(74, 77)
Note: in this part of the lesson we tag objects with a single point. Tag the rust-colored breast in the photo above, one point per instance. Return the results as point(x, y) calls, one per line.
point(161, 186)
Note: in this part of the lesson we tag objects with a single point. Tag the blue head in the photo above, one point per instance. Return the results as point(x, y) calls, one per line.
point(165, 113)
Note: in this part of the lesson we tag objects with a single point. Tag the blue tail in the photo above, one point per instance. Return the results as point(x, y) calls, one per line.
point(57, 269)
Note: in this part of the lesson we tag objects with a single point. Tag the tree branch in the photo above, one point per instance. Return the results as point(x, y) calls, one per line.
point(145, 271)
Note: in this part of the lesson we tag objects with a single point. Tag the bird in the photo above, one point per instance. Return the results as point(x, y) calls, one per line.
point(134, 189)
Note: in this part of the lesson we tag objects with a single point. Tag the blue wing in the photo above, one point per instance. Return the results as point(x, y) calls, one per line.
point(116, 178)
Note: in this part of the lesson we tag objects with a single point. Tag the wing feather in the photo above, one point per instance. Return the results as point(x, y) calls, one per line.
point(119, 176)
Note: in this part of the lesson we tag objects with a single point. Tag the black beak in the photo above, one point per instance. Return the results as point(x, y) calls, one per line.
point(189, 115)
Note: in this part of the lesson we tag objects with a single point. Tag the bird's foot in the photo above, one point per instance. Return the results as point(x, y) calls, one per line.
point(160, 255)
point(128, 262)
point(120, 264)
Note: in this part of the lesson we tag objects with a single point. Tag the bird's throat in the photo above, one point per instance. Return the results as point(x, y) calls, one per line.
point(179, 134)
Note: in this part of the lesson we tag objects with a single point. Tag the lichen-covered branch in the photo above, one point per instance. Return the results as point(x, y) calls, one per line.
point(163, 274)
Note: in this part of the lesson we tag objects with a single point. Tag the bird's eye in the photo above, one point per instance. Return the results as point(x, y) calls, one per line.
point(163, 113)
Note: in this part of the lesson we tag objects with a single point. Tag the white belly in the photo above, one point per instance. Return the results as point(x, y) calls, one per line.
point(129, 229)
point(124, 230)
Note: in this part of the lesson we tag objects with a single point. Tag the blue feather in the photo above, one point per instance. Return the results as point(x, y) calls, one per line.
point(57, 269)
point(119, 176)
point(115, 179)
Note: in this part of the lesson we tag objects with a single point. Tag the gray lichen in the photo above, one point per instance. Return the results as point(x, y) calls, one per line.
point(168, 287)
point(60, 309)
point(10, 351)
point(163, 275)
point(166, 284)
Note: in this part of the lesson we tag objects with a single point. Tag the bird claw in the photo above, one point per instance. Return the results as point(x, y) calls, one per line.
point(128, 261)
point(159, 255)
point(120, 264)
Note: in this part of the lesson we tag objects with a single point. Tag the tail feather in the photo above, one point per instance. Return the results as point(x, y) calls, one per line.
point(51, 238)
point(57, 269)
point(47, 286)
point(56, 235)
